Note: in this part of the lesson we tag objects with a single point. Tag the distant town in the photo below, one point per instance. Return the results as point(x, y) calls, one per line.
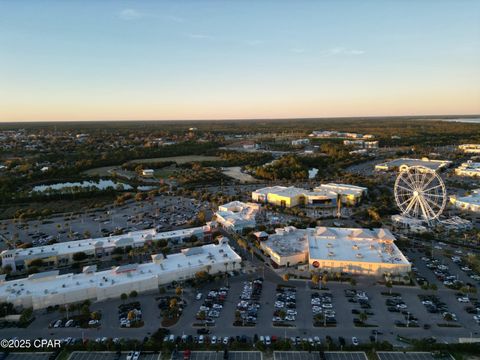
point(295, 234)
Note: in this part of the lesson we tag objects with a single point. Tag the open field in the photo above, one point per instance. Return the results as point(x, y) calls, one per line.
point(106, 170)
point(178, 159)
point(236, 173)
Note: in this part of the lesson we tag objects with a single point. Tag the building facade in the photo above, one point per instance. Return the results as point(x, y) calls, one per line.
point(469, 168)
point(469, 203)
point(50, 288)
point(351, 250)
point(236, 215)
point(62, 254)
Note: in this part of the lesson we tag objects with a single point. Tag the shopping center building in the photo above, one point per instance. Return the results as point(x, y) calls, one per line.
point(62, 254)
point(50, 288)
point(351, 250)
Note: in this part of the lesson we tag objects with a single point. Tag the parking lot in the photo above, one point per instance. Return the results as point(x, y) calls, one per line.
point(218, 355)
point(164, 213)
point(327, 355)
point(109, 355)
point(28, 356)
point(389, 355)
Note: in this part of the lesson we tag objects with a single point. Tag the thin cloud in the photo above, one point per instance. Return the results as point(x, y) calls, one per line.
point(130, 14)
point(174, 18)
point(254, 42)
point(297, 50)
point(343, 51)
point(199, 36)
point(133, 14)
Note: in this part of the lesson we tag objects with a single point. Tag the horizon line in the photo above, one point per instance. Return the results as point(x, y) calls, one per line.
point(429, 116)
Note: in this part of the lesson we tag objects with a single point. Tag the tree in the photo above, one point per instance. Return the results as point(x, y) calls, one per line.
point(315, 279)
point(363, 316)
point(123, 297)
point(286, 277)
point(389, 286)
point(324, 280)
point(26, 315)
point(37, 263)
point(133, 294)
point(95, 315)
point(178, 290)
point(173, 303)
point(131, 315)
point(79, 256)
point(85, 310)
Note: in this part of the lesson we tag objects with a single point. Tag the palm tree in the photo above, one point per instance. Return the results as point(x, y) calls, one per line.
point(363, 316)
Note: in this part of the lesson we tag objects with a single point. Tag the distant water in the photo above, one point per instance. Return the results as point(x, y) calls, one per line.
point(465, 120)
point(66, 186)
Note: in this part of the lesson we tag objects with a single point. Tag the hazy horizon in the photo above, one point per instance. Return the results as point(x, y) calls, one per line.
point(210, 60)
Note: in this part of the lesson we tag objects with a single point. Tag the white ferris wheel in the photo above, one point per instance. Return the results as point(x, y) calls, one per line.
point(420, 193)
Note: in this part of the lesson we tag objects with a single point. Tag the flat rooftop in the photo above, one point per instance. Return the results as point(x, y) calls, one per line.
point(354, 245)
point(287, 241)
point(431, 164)
point(238, 211)
point(50, 283)
point(473, 199)
point(281, 191)
point(345, 189)
point(135, 238)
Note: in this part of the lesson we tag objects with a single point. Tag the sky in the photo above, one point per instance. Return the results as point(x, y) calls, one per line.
point(173, 60)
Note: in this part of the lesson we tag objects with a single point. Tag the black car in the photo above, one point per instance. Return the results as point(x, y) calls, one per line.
point(203, 331)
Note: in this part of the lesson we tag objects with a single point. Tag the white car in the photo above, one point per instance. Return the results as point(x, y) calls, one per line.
point(355, 341)
point(213, 340)
point(130, 355)
point(225, 340)
point(267, 340)
point(199, 296)
point(136, 355)
point(463, 299)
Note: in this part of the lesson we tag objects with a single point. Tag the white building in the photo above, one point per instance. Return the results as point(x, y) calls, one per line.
point(61, 254)
point(339, 135)
point(469, 202)
point(323, 195)
point(236, 215)
point(292, 196)
point(351, 250)
point(49, 288)
point(148, 172)
point(404, 163)
point(286, 247)
point(349, 194)
point(361, 144)
point(468, 168)
point(300, 142)
point(470, 148)
point(412, 224)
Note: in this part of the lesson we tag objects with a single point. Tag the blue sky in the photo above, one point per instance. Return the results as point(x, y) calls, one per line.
point(74, 60)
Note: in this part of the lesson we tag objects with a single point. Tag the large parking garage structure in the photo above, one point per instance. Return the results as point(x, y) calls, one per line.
point(351, 250)
point(49, 288)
